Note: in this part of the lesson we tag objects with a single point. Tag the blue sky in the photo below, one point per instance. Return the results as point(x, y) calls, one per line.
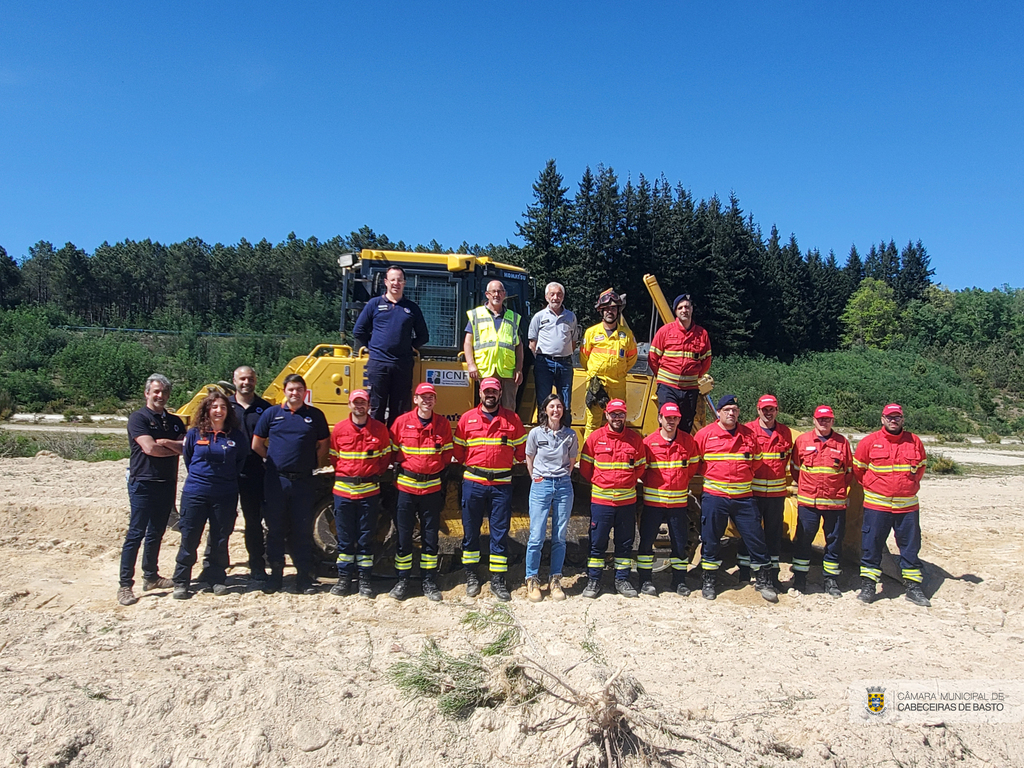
point(842, 123)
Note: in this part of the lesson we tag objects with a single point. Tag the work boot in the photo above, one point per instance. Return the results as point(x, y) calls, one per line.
point(365, 587)
point(800, 582)
point(679, 584)
point(472, 583)
point(181, 593)
point(273, 584)
point(557, 593)
point(430, 590)
point(219, 589)
point(125, 596)
point(593, 588)
point(158, 583)
point(258, 574)
point(533, 590)
point(743, 574)
point(498, 588)
point(401, 589)
point(648, 588)
point(306, 586)
point(624, 588)
point(916, 595)
point(867, 590)
point(707, 589)
point(344, 586)
point(832, 587)
point(763, 584)
point(776, 582)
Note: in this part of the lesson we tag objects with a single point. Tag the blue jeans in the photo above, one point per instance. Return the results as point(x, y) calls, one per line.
point(550, 374)
point(554, 495)
point(151, 503)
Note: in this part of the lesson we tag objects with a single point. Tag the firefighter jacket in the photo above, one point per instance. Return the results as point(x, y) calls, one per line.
point(613, 462)
point(890, 469)
point(423, 450)
point(825, 466)
point(608, 355)
point(491, 445)
point(728, 460)
point(772, 478)
point(494, 349)
point(679, 357)
point(360, 455)
point(670, 466)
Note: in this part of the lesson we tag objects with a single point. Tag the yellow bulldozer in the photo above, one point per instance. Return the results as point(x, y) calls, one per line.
point(446, 286)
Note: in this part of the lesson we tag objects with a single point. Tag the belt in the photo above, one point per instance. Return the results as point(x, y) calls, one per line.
point(358, 480)
point(556, 358)
point(419, 476)
point(491, 474)
point(295, 475)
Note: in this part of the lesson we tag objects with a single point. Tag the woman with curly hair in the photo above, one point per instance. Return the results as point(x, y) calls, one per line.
point(214, 453)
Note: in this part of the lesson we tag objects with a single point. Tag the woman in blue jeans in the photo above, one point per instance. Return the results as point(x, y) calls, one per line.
point(214, 453)
point(551, 451)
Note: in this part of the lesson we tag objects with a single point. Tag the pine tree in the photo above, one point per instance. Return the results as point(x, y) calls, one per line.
point(915, 274)
point(10, 279)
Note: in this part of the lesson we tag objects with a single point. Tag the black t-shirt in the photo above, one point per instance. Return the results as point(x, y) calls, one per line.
point(292, 437)
point(248, 418)
point(157, 425)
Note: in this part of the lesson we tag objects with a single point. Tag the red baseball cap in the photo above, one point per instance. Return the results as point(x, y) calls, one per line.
point(892, 408)
point(823, 412)
point(490, 383)
point(359, 394)
point(669, 409)
point(767, 400)
point(615, 406)
point(426, 388)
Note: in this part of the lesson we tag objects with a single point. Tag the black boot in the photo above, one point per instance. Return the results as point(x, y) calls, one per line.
point(343, 587)
point(647, 582)
point(593, 588)
point(707, 589)
point(763, 584)
point(916, 595)
point(498, 588)
point(401, 589)
point(625, 588)
point(832, 587)
point(679, 584)
point(472, 583)
point(365, 587)
point(273, 584)
point(306, 586)
point(430, 590)
point(867, 590)
point(743, 574)
point(776, 582)
point(800, 581)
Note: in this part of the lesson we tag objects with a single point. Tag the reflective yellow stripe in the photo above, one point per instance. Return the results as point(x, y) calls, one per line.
point(890, 502)
point(356, 490)
point(469, 558)
point(811, 501)
point(663, 496)
point(761, 484)
point(824, 470)
point(425, 450)
point(613, 494)
point(729, 489)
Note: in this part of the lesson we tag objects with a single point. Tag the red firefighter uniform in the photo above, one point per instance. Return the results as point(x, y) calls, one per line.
point(422, 449)
point(772, 478)
point(890, 468)
point(825, 465)
point(670, 467)
point(679, 357)
point(491, 444)
point(728, 460)
point(613, 462)
point(359, 454)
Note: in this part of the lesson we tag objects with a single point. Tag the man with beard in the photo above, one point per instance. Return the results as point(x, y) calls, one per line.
point(607, 353)
point(680, 355)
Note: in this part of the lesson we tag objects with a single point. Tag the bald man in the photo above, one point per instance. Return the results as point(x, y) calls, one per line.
point(493, 347)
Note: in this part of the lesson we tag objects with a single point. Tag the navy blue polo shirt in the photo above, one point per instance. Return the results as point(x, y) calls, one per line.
point(214, 462)
point(392, 330)
point(292, 437)
point(141, 466)
point(248, 417)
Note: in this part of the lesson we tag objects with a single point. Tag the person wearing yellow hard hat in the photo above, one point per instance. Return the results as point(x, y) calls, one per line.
point(607, 353)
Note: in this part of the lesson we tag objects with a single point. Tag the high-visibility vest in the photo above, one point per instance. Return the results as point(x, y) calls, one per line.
point(494, 350)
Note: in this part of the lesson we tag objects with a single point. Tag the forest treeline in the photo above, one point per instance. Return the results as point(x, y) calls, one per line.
point(761, 297)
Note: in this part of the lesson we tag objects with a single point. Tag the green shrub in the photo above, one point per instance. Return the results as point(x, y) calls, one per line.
point(943, 465)
point(993, 437)
point(951, 438)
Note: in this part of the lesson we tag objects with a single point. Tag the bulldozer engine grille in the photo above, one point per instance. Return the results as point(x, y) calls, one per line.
point(438, 300)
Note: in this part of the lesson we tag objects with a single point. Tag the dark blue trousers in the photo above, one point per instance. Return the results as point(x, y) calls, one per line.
point(686, 399)
point(355, 521)
point(495, 503)
point(604, 518)
point(715, 513)
point(250, 498)
point(151, 504)
point(907, 527)
point(390, 389)
point(427, 508)
point(678, 519)
point(771, 509)
point(550, 374)
point(196, 511)
point(289, 512)
point(808, 520)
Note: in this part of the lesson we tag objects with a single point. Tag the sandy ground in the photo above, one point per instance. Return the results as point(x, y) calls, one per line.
point(247, 679)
